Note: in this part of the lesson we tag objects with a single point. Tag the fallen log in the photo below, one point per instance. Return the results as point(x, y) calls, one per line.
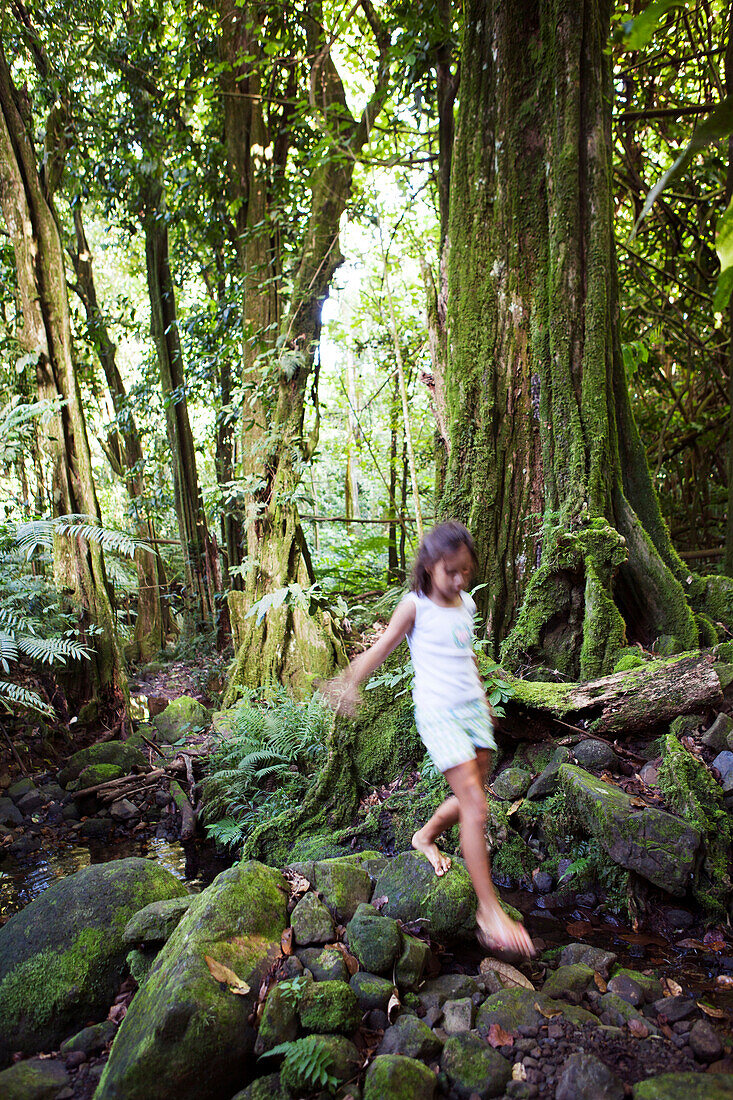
point(188, 816)
point(124, 780)
point(625, 703)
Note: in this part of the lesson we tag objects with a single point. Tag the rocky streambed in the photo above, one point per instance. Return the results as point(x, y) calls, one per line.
point(355, 976)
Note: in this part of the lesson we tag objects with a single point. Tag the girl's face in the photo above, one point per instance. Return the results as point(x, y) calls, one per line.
point(451, 575)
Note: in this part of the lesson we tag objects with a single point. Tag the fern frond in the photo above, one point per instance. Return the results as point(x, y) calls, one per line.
point(84, 527)
point(8, 650)
point(50, 650)
point(15, 621)
point(19, 696)
point(34, 535)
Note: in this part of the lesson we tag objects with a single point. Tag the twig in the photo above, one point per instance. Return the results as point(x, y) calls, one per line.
point(152, 745)
point(595, 737)
point(14, 751)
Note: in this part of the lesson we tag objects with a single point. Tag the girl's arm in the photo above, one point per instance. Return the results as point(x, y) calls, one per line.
point(342, 692)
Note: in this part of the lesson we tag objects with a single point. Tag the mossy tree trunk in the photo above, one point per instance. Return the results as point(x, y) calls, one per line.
point(26, 196)
point(281, 341)
point(546, 466)
point(200, 556)
point(125, 453)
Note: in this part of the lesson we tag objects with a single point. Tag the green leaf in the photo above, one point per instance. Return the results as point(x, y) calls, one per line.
point(717, 125)
point(638, 31)
point(723, 290)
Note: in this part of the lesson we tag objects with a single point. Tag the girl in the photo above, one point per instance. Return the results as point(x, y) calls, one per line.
point(451, 711)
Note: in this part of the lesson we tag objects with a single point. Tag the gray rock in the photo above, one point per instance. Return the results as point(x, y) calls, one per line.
point(412, 1038)
point(265, 1088)
point(311, 921)
point(326, 964)
point(568, 979)
point(649, 774)
point(90, 1039)
point(155, 923)
point(279, 1023)
point(344, 886)
point(124, 811)
point(474, 1068)
point(183, 1027)
point(62, 958)
point(724, 763)
point(676, 1008)
point(594, 754)
point(374, 939)
point(679, 919)
point(717, 736)
point(371, 990)
point(446, 904)
point(627, 989)
point(649, 985)
point(95, 828)
point(392, 1075)
point(181, 717)
point(35, 1079)
point(31, 802)
point(20, 788)
point(542, 882)
point(656, 845)
point(9, 813)
point(547, 781)
point(594, 957)
point(411, 964)
point(585, 1077)
point(511, 784)
point(458, 1016)
point(704, 1041)
point(447, 987)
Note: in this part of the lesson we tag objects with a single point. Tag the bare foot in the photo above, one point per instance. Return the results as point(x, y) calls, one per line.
point(498, 931)
point(440, 862)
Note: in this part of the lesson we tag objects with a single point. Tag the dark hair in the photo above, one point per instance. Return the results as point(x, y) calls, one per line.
point(445, 538)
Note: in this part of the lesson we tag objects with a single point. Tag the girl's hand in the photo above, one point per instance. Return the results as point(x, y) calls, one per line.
point(341, 694)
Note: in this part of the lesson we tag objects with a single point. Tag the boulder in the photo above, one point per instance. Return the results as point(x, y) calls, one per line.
point(9, 813)
point(311, 921)
point(265, 1088)
point(329, 1007)
point(279, 1023)
point(35, 1079)
point(20, 788)
point(154, 924)
point(412, 962)
point(343, 884)
point(717, 736)
point(724, 763)
point(511, 784)
point(547, 781)
point(474, 1068)
point(595, 754)
point(412, 1038)
point(90, 1039)
point(447, 987)
point(446, 904)
point(568, 979)
point(120, 754)
point(62, 958)
point(585, 1077)
point(371, 990)
point(394, 1077)
point(181, 717)
point(650, 986)
point(185, 1035)
point(510, 1008)
point(325, 963)
point(94, 774)
point(656, 845)
point(374, 939)
point(595, 957)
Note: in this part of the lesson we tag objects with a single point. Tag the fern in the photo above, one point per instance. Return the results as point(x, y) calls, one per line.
point(50, 650)
point(12, 695)
point(307, 1059)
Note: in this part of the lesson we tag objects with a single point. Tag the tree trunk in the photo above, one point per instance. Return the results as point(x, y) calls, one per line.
point(27, 203)
point(200, 557)
point(546, 466)
point(151, 624)
point(287, 645)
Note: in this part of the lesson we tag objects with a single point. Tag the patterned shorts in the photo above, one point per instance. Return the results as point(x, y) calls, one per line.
point(452, 735)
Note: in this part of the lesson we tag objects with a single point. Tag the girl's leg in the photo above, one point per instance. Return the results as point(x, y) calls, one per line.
point(444, 817)
point(466, 783)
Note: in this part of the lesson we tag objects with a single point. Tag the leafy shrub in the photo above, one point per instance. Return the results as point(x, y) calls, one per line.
point(265, 766)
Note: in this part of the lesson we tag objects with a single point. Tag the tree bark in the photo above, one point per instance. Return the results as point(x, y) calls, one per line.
point(27, 204)
point(546, 466)
point(152, 624)
point(281, 345)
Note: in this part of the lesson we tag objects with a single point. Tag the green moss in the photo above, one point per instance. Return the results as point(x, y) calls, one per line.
point(97, 773)
point(514, 859)
point(329, 1007)
point(690, 790)
point(629, 660)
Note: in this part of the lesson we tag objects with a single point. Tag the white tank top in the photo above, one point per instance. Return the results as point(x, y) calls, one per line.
point(441, 647)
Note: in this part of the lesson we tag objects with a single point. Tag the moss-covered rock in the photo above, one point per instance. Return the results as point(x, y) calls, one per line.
point(411, 1037)
point(62, 958)
point(328, 1007)
point(35, 1079)
point(184, 1027)
point(371, 991)
point(265, 1088)
point(326, 964)
point(96, 773)
point(446, 987)
point(619, 1012)
point(473, 1068)
point(90, 1039)
point(279, 1023)
point(412, 962)
point(568, 979)
point(119, 753)
point(654, 844)
point(394, 1077)
point(512, 783)
point(155, 923)
point(374, 939)
point(447, 903)
point(181, 717)
point(650, 985)
point(311, 921)
point(343, 885)
point(682, 1086)
point(594, 957)
point(140, 963)
point(510, 1008)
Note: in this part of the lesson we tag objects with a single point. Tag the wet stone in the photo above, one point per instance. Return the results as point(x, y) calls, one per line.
point(627, 989)
point(473, 1067)
point(34, 1079)
point(594, 957)
point(9, 813)
point(124, 811)
point(542, 882)
point(394, 1077)
point(446, 988)
point(568, 979)
point(329, 1006)
point(90, 1040)
point(716, 737)
point(311, 921)
point(411, 1037)
point(458, 1016)
point(325, 964)
point(371, 990)
point(279, 1023)
point(672, 1009)
point(704, 1041)
point(412, 962)
point(585, 1077)
point(724, 763)
point(511, 784)
point(374, 939)
point(683, 1086)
